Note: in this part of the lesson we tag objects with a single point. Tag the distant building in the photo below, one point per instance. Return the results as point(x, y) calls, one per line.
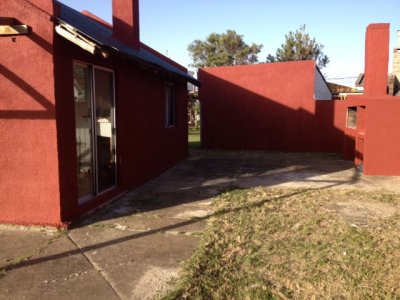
point(192, 88)
point(341, 92)
point(396, 58)
point(393, 84)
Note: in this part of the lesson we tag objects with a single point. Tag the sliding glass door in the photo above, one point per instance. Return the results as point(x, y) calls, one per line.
point(95, 130)
point(105, 125)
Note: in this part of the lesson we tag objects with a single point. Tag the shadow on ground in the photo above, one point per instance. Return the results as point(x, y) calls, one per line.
point(205, 174)
point(134, 246)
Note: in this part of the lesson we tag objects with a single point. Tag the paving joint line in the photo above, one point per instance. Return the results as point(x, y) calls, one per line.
point(98, 269)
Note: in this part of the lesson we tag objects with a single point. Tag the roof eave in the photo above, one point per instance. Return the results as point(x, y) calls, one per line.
point(106, 50)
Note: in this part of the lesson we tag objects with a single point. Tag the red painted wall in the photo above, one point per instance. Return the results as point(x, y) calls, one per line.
point(38, 183)
point(268, 107)
point(382, 142)
point(145, 148)
point(376, 59)
point(375, 141)
point(29, 181)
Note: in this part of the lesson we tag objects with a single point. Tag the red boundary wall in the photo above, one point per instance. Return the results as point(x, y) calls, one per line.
point(268, 107)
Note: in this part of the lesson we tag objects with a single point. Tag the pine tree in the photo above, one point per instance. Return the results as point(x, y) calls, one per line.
point(299, 45)
point(222, 50)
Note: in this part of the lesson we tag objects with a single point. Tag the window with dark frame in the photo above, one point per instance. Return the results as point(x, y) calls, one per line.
point(170, 105)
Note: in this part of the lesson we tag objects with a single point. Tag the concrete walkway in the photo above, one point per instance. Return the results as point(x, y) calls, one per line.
point(133, 247)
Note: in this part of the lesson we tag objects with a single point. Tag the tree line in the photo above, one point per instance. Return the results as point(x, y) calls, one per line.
point(229, 48)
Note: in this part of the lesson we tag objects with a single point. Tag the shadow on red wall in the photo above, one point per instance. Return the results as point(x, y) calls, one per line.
point(47, 108)
point(236, 118)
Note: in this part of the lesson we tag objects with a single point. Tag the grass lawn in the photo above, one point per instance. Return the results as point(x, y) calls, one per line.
point(297, 243)
point(194, 139)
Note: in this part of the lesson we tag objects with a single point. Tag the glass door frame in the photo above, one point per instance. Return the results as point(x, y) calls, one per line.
point(92, 68)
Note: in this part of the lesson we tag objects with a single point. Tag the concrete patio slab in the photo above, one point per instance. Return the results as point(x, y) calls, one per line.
point(57, 271)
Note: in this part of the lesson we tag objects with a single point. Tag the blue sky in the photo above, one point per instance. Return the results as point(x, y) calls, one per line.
point(169, 26)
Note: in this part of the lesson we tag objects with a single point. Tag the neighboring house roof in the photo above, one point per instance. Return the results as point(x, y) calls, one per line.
point(360, 80)
point(393, 84)
point(338, 88)
point(102, 36)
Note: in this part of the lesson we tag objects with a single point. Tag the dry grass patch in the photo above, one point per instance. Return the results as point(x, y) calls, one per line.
point(286, 243)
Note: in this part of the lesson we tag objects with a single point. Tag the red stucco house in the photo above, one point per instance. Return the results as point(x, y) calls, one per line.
point(277, 106)
point(86, 110)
